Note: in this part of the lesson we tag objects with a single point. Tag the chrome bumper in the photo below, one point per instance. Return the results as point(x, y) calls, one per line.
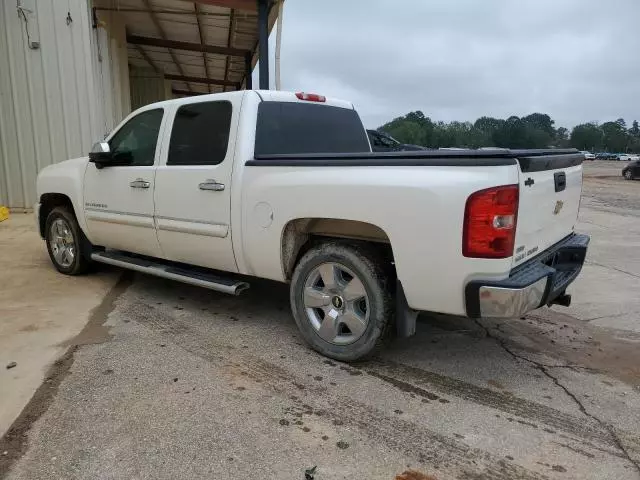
point(531, 285)
point(511, 302)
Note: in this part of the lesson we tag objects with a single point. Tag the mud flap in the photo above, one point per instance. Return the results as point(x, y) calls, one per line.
point(405, 316)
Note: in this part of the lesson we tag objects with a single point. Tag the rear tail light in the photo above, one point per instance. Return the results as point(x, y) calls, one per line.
point(311, 97)
point(490, 223)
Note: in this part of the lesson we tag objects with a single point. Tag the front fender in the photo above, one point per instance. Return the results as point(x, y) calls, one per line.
point(66, 178)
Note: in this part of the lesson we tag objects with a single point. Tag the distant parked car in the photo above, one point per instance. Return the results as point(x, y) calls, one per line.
point(588, 155)
point(626, 157)
point(383, 142)
point(603, 156)
point(632, 170)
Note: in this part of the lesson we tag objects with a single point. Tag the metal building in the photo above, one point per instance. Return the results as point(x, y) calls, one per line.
point(71, 70)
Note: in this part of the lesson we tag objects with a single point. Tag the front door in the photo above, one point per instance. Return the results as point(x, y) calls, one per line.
point(193, 185)
point(118, 200)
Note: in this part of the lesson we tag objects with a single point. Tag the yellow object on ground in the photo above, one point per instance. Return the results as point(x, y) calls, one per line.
point(4, 213)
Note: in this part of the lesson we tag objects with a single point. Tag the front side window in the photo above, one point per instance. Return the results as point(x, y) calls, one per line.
point(200, 134)
point(135, 143)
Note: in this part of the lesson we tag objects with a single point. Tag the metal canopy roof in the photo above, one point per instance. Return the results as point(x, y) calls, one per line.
point(206, 46)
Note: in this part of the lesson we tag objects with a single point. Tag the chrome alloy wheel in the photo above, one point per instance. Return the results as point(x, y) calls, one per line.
point(62, 243)
point(336, 303)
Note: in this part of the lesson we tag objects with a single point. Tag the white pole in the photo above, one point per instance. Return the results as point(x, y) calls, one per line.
point(278, 42)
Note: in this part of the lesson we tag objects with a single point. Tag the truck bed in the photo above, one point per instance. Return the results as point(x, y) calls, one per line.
point(409, 203)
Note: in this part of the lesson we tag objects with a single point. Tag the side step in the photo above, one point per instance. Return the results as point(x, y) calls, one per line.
point(197, 277)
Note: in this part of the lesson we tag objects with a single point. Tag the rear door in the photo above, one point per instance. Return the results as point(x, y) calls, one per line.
point(193, 184)
point(550, 189)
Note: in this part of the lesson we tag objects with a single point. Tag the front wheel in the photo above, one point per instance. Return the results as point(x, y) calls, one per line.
point(341, 300)
point(627, 174)
point(66, 244)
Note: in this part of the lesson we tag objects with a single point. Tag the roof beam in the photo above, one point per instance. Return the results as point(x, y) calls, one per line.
point(160, 11)
point(156, 22)
point(195, 47)
point(207, 81)
point(248, 5)
point(175, 91)
point(204, 55)
point(147, 59)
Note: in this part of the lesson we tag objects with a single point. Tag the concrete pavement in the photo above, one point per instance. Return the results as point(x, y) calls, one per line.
point(40, 311)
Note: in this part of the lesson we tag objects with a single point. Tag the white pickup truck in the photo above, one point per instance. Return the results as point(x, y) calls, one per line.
point(216, 189)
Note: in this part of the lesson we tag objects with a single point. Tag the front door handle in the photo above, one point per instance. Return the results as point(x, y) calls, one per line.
point(211, 185)
point(140, 183)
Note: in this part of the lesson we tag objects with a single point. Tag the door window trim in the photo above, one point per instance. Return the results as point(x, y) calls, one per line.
point(236, 99)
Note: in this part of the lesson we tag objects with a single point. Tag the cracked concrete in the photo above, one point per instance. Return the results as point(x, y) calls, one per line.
point(546, 370)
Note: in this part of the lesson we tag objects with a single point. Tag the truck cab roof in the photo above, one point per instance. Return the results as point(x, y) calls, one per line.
point(265, 95)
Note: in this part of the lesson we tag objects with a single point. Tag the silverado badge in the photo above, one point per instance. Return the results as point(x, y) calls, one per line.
point(559, 205)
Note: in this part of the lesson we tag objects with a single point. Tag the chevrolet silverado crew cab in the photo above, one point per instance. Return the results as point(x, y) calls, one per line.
point(216, 189)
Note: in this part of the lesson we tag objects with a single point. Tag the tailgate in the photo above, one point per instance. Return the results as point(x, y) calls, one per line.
point(550, 189)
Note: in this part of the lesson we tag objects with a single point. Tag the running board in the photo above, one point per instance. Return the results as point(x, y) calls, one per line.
point(195, 277)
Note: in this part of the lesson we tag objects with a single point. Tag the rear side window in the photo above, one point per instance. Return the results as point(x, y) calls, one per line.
point(200, 134)
point(287, 127)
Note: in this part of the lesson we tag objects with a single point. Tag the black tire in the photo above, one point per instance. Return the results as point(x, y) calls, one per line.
point(82, 248)
point(627, 174)
point(369, 267)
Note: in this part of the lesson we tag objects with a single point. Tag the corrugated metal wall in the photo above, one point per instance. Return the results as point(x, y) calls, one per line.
point(147, 87)
point(63, 86)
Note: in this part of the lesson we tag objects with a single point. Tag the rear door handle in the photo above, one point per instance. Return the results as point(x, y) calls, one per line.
point(140, 183)
point(211, 185)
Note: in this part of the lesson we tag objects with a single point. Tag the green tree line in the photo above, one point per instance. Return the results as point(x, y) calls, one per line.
point(536, 130)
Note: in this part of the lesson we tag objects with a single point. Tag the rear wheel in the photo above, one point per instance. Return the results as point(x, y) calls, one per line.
point(341, 300)
point(68, 248)
point(627, 174)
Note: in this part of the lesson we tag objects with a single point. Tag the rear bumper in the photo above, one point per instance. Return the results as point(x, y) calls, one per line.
point(531, 285)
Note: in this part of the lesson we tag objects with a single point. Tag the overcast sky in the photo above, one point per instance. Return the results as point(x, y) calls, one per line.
point(577, 60)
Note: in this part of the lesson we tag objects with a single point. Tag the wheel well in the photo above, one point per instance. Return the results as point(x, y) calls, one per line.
point(48, 202)
point(303, 233)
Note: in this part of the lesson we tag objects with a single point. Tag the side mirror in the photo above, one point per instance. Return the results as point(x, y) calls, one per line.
point(100, 154)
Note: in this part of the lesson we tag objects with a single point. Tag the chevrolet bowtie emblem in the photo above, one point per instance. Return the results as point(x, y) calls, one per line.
point(559, 205)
